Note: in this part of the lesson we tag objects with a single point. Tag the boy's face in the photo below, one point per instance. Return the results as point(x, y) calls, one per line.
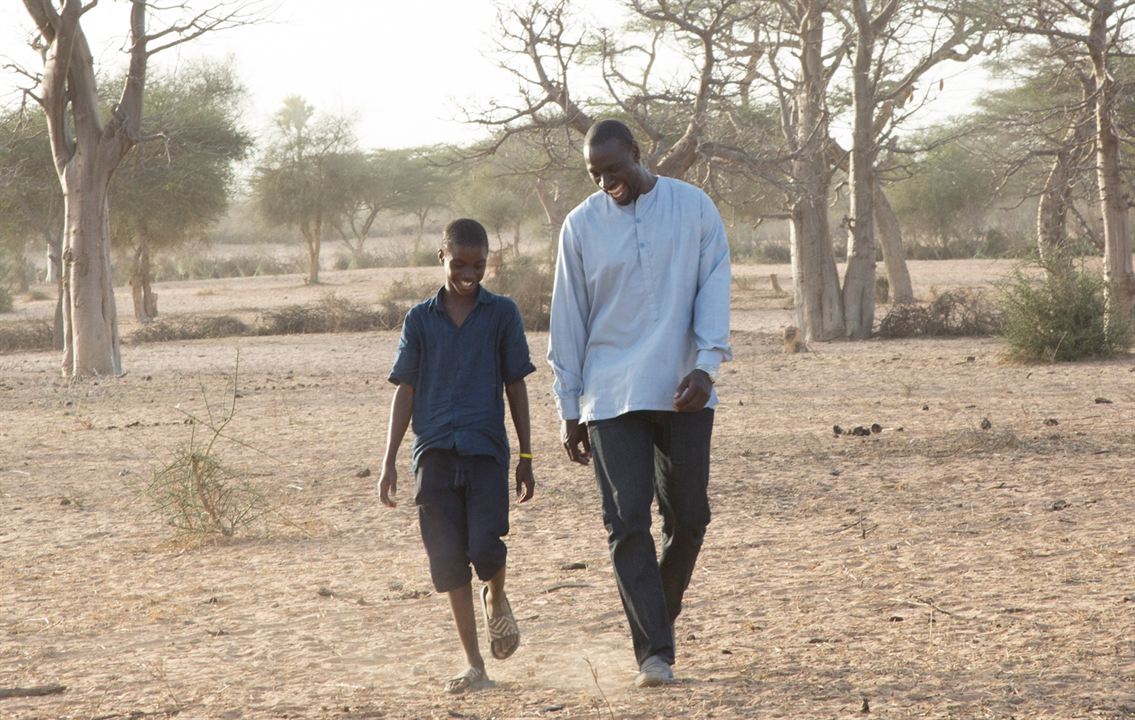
point(615, 169)
point(464, 267)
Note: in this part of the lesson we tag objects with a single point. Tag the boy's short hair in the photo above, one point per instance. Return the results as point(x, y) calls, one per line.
point(465, 232)
point(605, 130)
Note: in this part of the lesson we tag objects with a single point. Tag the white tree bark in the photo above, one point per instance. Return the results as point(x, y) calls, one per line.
point(1118, 272)
point(86, 151)
point(819, 306)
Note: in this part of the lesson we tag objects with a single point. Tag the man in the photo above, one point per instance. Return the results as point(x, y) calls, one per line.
point(639, 328)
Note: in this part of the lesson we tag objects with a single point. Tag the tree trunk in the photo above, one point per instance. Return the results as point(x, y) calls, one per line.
point(859, 278)
point(90, 322)
point(819, 310)
point(1052, 209)
point(54, 275)
point(1118, 272)
point(313, 238)
point(141, 279)
point(421, 230)
point(889, 233)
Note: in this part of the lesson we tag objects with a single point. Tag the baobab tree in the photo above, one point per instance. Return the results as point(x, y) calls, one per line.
point(88, 143)
point(1094, 34)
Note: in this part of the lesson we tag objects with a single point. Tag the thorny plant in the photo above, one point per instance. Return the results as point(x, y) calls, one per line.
point(195, 492)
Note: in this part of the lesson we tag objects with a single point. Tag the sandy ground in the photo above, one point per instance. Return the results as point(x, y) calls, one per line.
point(934, 571)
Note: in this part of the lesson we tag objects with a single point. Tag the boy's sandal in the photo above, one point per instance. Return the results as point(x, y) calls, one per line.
point(502, 631)
point(469, 679)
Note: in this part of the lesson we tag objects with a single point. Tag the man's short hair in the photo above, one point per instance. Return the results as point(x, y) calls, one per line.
point(465, 232)
point(605, 130)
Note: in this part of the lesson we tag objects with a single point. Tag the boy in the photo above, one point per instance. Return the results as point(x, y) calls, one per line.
point(458, 351)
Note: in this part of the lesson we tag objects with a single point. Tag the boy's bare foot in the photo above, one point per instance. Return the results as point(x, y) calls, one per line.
point(469, 679)
point(500, 625)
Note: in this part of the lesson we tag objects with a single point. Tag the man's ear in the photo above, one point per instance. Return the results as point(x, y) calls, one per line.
point(635, 151)
point(441, 255)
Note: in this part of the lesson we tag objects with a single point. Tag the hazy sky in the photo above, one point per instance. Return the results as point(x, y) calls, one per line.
point(403, 68)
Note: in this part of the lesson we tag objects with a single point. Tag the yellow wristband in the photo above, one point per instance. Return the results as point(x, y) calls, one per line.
point(525, 456)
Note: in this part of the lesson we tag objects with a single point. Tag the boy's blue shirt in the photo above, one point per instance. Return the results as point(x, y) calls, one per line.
point(459, 374)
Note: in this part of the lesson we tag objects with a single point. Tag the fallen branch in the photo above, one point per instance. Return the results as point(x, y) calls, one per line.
point(38, 691)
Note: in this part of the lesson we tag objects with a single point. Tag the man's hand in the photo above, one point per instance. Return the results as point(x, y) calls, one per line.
point(388, 485)
point(576, 442)
point(693, 392)
point(525, 481)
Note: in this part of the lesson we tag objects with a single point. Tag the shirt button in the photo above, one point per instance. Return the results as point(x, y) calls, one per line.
point(642, 244)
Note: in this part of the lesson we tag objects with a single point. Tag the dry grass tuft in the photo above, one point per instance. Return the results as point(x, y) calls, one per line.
point(25, 336)
point(331, 315)
point(189, 328)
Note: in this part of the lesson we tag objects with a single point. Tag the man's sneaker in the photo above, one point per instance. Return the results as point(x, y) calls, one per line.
point(653, 672)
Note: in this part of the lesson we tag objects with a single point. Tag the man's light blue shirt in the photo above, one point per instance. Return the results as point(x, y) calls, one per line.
point(641, 297)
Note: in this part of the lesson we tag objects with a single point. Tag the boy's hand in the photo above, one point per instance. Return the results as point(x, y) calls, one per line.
point(525, 481)
point(578, 445)
point(388, 486)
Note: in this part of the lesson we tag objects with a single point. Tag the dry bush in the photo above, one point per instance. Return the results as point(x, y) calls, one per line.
point(5, 301)
point(332, 314)
point(189, 328)
point(408, 289)
point(529, 283)
point(965, 312)
point(25, 336)
point(194, 492)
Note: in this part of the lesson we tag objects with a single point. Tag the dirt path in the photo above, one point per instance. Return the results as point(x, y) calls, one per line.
point(940, 570)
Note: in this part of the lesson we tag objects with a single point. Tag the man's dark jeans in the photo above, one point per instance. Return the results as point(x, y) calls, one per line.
point(640, 456)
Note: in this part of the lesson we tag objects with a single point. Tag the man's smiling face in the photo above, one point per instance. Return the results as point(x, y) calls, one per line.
point(614, 167)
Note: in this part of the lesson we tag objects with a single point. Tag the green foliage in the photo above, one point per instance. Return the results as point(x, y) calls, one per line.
point(5, 301)
point(1059, 315)
point(942, 207)
point(307, 172)
point(175, 183)
point(31, 202)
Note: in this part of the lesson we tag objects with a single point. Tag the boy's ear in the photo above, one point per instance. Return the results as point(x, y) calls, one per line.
point(441, 255)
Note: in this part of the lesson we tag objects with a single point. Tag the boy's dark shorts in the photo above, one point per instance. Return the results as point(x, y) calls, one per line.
point(463, 512)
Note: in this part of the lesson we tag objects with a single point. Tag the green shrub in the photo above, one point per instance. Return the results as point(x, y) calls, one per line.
point(5, 301)
point(1059, 315)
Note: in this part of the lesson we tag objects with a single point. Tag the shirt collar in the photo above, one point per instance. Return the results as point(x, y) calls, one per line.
point(484, 297)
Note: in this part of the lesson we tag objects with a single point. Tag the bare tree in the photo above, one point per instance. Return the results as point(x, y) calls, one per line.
point(896, 44)
point(88, 145)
